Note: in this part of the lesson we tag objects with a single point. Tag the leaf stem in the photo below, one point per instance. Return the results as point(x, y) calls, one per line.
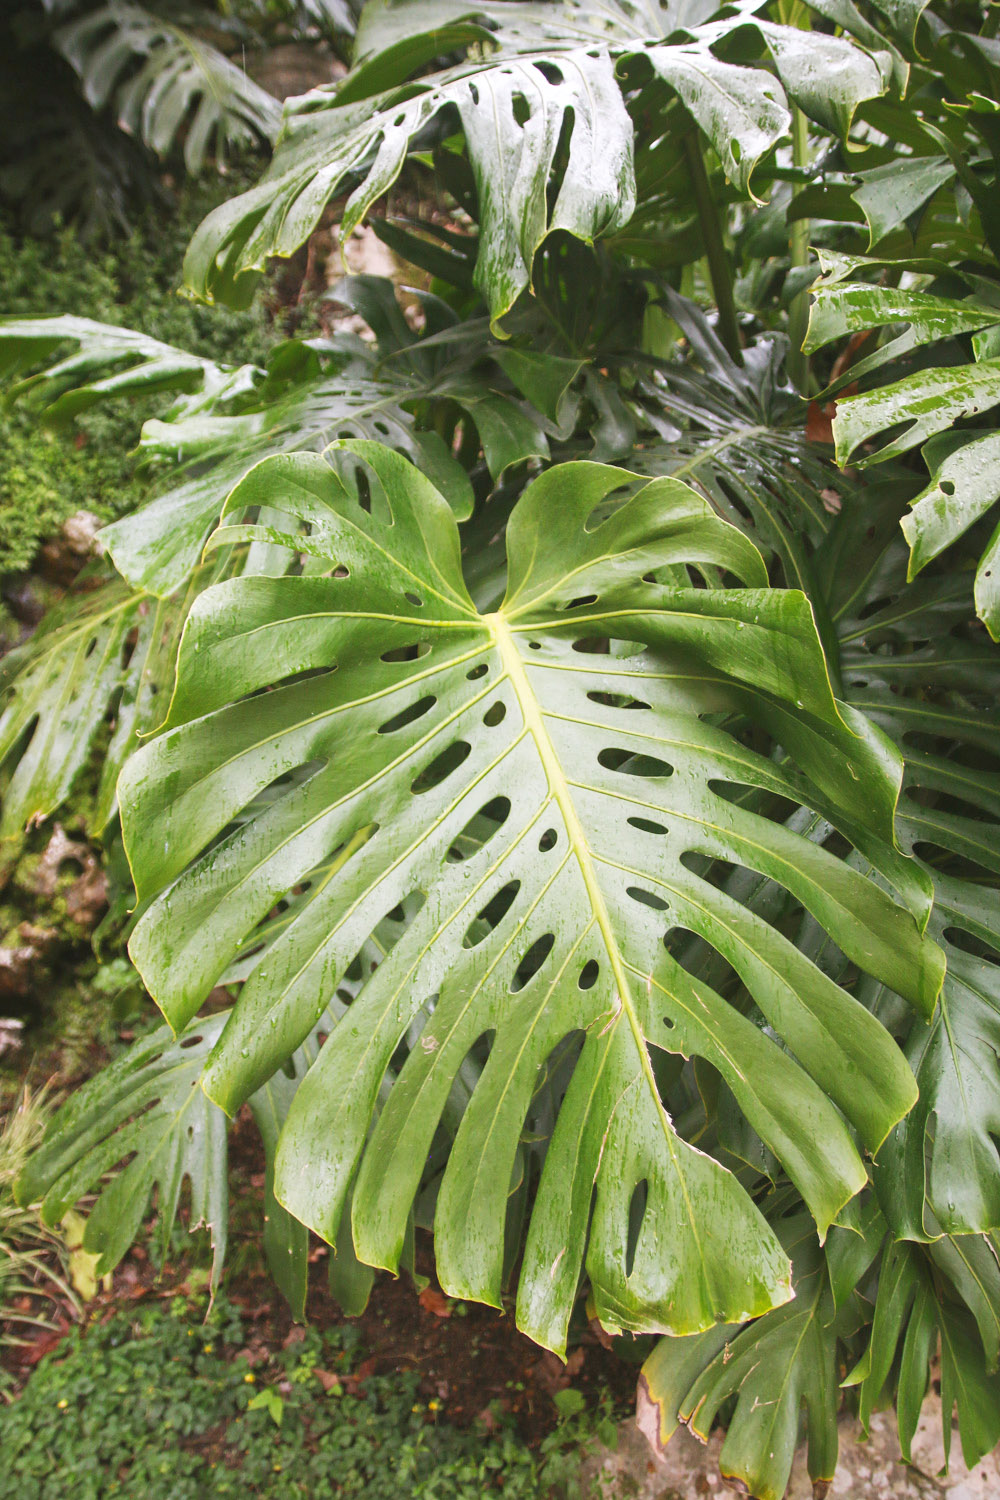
point(719, 269)
point(798, 250)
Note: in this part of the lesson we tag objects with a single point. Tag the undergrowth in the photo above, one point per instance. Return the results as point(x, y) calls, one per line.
point(158, 1403)
point(46, 477)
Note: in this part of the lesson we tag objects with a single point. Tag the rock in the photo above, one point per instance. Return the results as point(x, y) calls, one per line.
point(871, 1470)
point(61, 559)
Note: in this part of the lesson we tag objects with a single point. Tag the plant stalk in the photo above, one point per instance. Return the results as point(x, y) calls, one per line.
point(798, 249)
point(719, 269)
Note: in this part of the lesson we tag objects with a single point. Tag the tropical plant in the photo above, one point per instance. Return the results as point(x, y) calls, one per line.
point(34, 1263)
point(96, 93)
point(548, 727)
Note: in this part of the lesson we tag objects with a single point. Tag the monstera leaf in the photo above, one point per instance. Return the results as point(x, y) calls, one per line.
point(922, 408)
point(913, 1319)
point(689, 1381)
point(734, 432)
point(109, 362)
point(165, 82)
point(572, 737)
point(225, 420)
point(540, 103)
point(105, 652)
point(98, 672)
point(146, 1110)
point(911, 662)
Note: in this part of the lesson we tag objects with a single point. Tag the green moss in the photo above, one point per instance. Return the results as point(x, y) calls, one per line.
point(44, 477)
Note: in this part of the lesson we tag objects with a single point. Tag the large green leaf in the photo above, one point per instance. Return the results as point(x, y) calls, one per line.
point(225, 420)
point(109, 362)
point(601, 787)
point(911, 1312)
point(165, 82)
point(735, 433)
point(547, 132)
point(513, 118)
point(910, 662)
point(920, 408)
point(783, 1366)
point(100, 659)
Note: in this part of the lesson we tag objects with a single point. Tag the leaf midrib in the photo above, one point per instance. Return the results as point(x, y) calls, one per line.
point(561, 795)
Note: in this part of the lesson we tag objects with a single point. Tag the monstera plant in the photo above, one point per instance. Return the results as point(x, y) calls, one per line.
point(583, 791)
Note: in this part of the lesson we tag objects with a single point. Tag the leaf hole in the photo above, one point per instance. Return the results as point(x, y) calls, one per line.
point(549, 72)
point(588, 974)
point(532, 961)
point(947, 486)
point(474, 672)
point(636, 1214)
point(480, 828)
point(647, 898)
point(441, 767)
point(616, 700)
point(491, 915)
point(413, 599)
point(548, 840)
point(406, 653)
point(408, 715)
point(495, 714)
point(613, 758)
point(646, 825)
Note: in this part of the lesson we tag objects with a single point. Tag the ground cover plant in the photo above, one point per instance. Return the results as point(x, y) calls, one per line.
point(162, 1397)
point(560, 800)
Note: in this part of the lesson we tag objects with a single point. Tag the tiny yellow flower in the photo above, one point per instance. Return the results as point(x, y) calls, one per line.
point(251, 1378)
point(207, 1348)
point(433, 1406)
point(277, 1468)
point(418, 1407)
point(62, 1404)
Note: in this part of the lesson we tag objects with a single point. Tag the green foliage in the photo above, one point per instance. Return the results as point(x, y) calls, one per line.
point(540, 96)
point(631, 830)
point(154, 1401)
point(46, 478)
point(33, 1260)
point(97, 96)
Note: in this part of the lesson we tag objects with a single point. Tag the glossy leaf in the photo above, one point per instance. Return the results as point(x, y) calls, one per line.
point(889, 420)
point(547, 932)
point(889, 194)
point(227, 419)
point(780, 1368)
point(551, 74)
point(909, 1311)
point(908, 662)
point(102, 663)
point(965, 485)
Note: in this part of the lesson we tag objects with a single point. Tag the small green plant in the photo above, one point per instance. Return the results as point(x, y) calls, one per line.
point(159, 1401)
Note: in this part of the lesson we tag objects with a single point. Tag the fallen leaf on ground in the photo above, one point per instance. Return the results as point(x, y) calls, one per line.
point(433, 1301)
